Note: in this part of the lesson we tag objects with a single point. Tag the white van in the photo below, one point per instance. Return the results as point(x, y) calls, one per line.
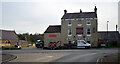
point(83, 44)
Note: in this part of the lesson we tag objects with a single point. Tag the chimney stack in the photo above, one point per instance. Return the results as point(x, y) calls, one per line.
point(80, 11)
point(95, 9)
point(65, 11)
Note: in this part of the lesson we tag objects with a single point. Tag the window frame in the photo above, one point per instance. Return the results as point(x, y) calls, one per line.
point(89, 31)
point(89, 22)
point(69, 30)
point(69, 23)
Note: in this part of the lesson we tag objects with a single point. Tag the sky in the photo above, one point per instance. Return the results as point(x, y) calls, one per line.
point(34, 16)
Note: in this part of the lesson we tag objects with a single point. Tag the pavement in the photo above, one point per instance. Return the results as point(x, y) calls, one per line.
point(65, 55)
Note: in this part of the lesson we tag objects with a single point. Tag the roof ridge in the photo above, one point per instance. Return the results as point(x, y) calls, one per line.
point(80, 13)
point(8, 30)
point(54, 25)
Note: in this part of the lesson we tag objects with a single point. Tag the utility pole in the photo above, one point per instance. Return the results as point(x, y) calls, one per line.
point(107, 33)
point(116, 27)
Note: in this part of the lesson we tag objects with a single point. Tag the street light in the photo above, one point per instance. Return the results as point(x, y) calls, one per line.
point(107, 32)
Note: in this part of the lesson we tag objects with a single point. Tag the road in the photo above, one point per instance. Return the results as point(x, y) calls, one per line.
point(70, 55)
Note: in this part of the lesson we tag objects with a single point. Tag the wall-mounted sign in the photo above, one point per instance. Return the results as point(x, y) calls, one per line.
point(79, 30)
point(53, 35)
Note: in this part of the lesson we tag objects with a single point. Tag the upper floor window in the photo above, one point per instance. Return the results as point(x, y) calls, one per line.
point(69, 23)
point(69, 32)
point(88, 23)
point(79, 23)
point(88, 31)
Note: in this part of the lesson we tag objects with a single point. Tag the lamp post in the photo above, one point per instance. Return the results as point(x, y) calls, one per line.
point(107, 32)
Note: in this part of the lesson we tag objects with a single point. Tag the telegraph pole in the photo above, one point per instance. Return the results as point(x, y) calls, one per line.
point(107, 33)
point(116, 27)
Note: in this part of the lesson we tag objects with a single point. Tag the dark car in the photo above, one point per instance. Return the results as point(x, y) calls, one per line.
point(39, 44)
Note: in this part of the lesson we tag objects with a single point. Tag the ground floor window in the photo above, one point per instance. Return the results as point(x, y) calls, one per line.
point(88, 41)
point(69, 42)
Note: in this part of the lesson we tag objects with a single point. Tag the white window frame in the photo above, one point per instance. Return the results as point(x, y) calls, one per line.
point(69, 23)
point(87, 22)
point(68, 32)
point(82, 18)
point(79, 24)
point(79, 35)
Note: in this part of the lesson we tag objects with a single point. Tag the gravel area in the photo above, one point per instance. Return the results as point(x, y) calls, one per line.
point(112, 59)
point(7, 57)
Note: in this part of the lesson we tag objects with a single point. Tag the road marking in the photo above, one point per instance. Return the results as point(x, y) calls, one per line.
point(46, 57)
point(94, 53)
point(50, 56)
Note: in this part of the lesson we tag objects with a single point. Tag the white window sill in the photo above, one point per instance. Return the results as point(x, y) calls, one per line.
point(79, 24)
point(88, 35)
point(79, 35)
point(69, 24)
point(88, 24)
point(69, 35)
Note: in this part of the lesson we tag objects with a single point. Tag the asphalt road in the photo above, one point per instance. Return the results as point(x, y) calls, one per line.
point(67, 55)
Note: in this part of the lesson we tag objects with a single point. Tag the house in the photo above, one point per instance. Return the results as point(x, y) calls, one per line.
point(74, 27)
point(8, 37)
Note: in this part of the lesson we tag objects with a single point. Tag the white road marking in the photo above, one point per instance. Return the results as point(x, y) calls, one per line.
point(46, 57)
point(50, 56)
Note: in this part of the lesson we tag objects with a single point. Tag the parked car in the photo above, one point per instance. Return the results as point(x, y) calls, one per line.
point(39, 44)
point(18, 46)
point(30, 45)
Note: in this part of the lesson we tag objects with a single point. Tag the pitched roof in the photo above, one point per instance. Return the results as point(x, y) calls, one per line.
point(53, 29)
point(112, 35)
point(79, 15)
point(8, 35)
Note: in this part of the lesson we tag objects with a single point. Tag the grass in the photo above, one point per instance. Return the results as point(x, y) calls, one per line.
point(111, 47)
point(9, 48)
point(119, 57)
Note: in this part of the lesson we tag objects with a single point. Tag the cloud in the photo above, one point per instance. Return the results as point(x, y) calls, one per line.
point(37, 16)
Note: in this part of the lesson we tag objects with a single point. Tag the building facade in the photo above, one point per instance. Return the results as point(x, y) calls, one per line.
point(74, 27)
point(52, 34)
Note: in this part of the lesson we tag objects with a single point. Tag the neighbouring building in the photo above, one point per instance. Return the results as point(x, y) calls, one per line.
point(52, 34)
point(8, 37)
point(111, 36)
point(74, 27)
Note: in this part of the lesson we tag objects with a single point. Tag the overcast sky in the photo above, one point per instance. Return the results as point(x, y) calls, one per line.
point(35, 16)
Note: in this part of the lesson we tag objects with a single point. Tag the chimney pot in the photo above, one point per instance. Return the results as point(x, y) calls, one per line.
point(65, 11)
point(80, 11)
